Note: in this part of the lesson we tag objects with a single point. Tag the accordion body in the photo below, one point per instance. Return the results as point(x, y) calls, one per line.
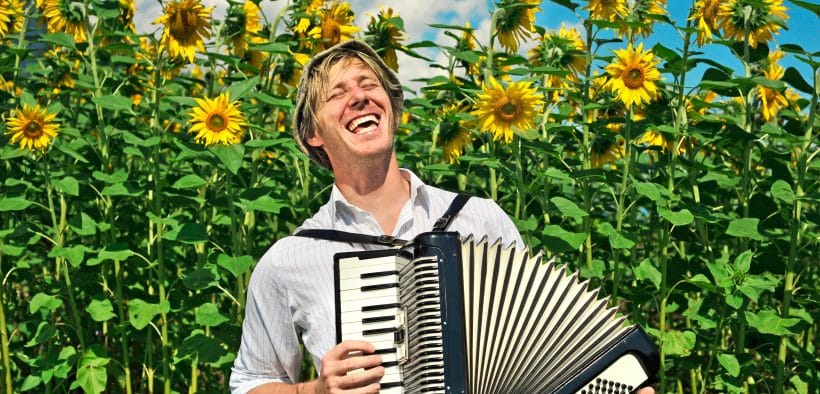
point(472, 317)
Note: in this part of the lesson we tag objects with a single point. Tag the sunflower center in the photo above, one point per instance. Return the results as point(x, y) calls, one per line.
point(33, 129)
point(216, 123)
point(508, 110)
point(633, 78)
point(331, 31)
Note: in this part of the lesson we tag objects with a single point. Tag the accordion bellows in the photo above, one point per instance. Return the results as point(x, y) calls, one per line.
point(475, 317)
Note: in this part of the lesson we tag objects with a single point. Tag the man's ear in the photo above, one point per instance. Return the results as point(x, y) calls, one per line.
point(315, 140)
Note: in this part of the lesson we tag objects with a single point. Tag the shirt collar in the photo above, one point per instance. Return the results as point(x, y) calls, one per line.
point(343, 210)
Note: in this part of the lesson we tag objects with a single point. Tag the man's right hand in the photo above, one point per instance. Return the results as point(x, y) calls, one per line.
point(338, 362)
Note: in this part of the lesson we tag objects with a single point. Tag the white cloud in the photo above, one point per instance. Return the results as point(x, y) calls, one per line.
point(416, 14)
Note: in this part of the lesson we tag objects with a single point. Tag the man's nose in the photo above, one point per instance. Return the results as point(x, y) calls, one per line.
point(358, 98)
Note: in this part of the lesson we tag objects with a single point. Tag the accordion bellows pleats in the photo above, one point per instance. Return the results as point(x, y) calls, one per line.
point(475, 317)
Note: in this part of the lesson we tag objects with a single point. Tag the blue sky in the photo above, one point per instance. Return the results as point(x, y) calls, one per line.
point(803, 27)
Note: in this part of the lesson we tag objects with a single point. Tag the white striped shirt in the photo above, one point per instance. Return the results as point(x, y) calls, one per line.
point(290, 295)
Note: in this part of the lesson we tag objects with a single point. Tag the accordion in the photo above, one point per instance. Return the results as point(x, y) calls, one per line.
point(472, 317)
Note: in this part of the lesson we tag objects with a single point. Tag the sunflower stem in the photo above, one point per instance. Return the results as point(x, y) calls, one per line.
point(488, 70)
point(4, 335)
point(790, 285)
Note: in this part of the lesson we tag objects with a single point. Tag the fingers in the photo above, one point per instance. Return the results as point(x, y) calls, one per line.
point(350, 367)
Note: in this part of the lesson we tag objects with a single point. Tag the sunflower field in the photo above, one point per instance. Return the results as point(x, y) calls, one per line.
point(144, 174)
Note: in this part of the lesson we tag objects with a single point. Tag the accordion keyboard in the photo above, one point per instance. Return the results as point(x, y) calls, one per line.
point(369, 300)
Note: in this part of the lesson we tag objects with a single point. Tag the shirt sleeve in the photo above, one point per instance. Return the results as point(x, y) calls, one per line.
point(269, 351)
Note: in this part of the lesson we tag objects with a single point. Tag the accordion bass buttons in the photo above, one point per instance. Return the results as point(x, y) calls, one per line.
point(401, 336)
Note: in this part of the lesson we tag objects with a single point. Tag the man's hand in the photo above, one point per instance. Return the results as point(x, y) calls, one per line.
point(646, 390)
point(338, 362)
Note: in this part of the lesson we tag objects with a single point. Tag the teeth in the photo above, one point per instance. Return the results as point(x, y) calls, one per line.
point(358, 121)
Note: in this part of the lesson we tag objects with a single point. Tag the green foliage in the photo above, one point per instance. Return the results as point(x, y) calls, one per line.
point(126, 246)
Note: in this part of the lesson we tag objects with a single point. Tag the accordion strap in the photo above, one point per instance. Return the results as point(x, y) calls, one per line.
point(388, 240)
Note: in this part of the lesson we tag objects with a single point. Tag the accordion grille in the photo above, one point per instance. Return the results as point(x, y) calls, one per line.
point(529, 324)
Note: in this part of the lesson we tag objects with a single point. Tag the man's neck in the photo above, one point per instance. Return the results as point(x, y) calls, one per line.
point(379, 189)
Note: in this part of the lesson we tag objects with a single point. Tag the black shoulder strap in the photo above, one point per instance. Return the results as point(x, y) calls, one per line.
point(444, 221)
point(343, 236)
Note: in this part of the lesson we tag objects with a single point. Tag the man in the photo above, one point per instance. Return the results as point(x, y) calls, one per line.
point(349, 104)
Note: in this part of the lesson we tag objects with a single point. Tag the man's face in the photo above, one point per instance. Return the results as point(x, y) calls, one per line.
point(354, 116)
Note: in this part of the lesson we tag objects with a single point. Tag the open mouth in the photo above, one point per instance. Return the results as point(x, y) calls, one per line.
point(363, 124)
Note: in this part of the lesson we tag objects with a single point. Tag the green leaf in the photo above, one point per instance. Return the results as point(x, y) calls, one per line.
point(208, 349)
point(597, 270)
point(621, 240)
point(262, 204)
point(230, 156)
point(116, 251)
point(45, 331)
point(100, 310)
point(754, 285)
point(558, 240)
point(720, 273)
point(91, 374)
point(743, 261)
point(729, 363)
point(679, 218)
point(568, 208)
point(678, 343)
point(769, 322)
point(813, 7)
point(700, 280)
point(83, 225)
point(68, 185)
point(279, 102)
point(30, 382)
point(239, 89)
point(192, 233)
point(74, 254)
point(794, 78)
point(11, 250)
point(650, 190)
point(122, 189)
point(236, 265)
point(189, 181)
point(198, 279)
point(468, 56)
point(734, 300)
point(44, 301)
point(59, 38)
point(721, 179)
point(769, 83)
point(208, 315)
point(113, 102)
point(118, 176)
point(744, 228)
point(647, 271)
point(140, 313)
point(781, 190)
point(14, 204)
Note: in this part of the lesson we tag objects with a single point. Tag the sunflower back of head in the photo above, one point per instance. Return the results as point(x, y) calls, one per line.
point(312, 87)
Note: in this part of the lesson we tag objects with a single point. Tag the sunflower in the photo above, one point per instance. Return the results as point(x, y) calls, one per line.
point(706, 14)
point(384, 35)
point(606, 150)
point(639, 17)
point(563, 48)
point(335, 25)
point(607, 10)
point(633, 75)
point(771, 100)
point(516, 22)
point(32, 128)
point(454, 132)
point(186, 26)
point(657, 139)
point(766, 17)
point(217, 121)
point(501, 110)
point(241, 24)
point(12, 15)
point(467, 43)
point(65, 16)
